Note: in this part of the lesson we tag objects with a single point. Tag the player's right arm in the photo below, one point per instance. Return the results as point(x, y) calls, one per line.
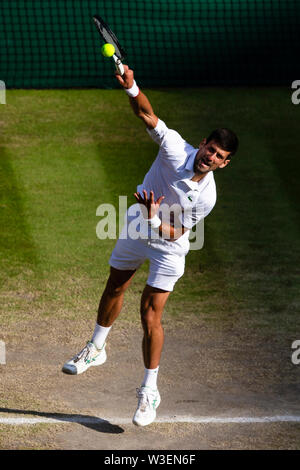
point(140, 104)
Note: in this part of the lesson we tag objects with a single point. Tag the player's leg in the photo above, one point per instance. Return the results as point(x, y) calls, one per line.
point(152, 306)
point(110, 306)
point(165, 270)
point(111, 303)
point(112, 298)
point(128, 254)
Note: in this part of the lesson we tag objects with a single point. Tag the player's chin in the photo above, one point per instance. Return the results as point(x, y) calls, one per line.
point(201, 169)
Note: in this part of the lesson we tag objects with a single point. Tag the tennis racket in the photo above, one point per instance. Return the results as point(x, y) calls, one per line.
point(109, 37)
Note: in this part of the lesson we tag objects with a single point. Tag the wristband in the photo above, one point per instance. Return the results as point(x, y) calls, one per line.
point(134, 91)
point(155, 222)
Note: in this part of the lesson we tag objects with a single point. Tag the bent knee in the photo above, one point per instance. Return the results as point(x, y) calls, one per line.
point(114, 288)
point(150, 319)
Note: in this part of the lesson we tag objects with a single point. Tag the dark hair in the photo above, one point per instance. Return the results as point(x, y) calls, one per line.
point(226, 139)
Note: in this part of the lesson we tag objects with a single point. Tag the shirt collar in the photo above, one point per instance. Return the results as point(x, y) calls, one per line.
point(191, 184)
point(189, 171)
point(189, 166)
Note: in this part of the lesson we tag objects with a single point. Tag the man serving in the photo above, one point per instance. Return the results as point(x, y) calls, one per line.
point(181, 178)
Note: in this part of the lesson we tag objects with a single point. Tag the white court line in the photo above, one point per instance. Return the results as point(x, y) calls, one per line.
point(162, 419)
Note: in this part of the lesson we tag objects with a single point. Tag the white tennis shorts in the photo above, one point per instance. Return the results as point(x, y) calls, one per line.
point(167, 259)
point(165, 268)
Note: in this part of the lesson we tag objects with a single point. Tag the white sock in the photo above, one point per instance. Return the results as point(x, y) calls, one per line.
point(100, 334)
point(150, 378)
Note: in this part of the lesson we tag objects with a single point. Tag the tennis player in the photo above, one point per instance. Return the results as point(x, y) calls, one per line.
point(181, 177)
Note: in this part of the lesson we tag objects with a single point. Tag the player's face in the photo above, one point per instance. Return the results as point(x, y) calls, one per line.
point(210, 157)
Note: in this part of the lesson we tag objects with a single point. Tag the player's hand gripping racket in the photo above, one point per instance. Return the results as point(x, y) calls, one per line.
point(109, 37)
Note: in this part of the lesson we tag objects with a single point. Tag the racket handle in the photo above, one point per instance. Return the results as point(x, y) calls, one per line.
point(119, 65)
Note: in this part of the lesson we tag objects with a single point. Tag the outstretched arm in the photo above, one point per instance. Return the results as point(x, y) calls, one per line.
point(140, 104)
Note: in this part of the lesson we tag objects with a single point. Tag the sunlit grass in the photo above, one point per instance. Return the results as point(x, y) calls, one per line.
point(64, 152)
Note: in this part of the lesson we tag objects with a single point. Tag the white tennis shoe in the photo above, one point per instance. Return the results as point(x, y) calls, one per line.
point(149, 400)
point(87, 357)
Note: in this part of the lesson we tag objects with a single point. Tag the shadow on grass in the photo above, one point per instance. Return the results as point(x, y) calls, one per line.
point(16, 245)
point(91, 422)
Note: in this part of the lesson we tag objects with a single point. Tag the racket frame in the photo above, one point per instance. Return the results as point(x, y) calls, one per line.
point(111, 38)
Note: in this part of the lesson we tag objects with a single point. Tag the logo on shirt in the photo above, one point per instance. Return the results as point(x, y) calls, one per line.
point(190, 198)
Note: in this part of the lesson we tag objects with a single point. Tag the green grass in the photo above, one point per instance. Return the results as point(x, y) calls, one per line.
point(64, 152)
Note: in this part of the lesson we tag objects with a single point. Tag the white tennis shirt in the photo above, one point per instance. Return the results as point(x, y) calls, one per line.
point(170, 176)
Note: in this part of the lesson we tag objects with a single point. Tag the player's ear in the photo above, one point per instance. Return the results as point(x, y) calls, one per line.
point(203, 142)
point(225, 163)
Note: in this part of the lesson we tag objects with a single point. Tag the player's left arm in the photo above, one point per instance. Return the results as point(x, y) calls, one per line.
point(166, 231)
point(140, 104)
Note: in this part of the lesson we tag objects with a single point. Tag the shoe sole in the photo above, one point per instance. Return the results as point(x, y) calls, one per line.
point(141, 425)
point(71, 370)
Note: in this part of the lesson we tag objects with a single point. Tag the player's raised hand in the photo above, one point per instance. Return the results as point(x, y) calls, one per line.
point(126, 80)
point(149, 202)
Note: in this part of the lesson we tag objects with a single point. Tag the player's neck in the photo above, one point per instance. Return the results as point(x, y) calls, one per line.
point(198, 178)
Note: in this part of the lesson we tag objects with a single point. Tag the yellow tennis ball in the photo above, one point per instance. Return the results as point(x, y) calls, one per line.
point(108, 50)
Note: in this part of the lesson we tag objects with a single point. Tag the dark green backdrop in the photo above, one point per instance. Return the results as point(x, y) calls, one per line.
point(53, 43)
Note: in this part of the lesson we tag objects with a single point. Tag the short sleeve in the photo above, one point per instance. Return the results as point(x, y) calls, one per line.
point(173, 148)
point(159, 132)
